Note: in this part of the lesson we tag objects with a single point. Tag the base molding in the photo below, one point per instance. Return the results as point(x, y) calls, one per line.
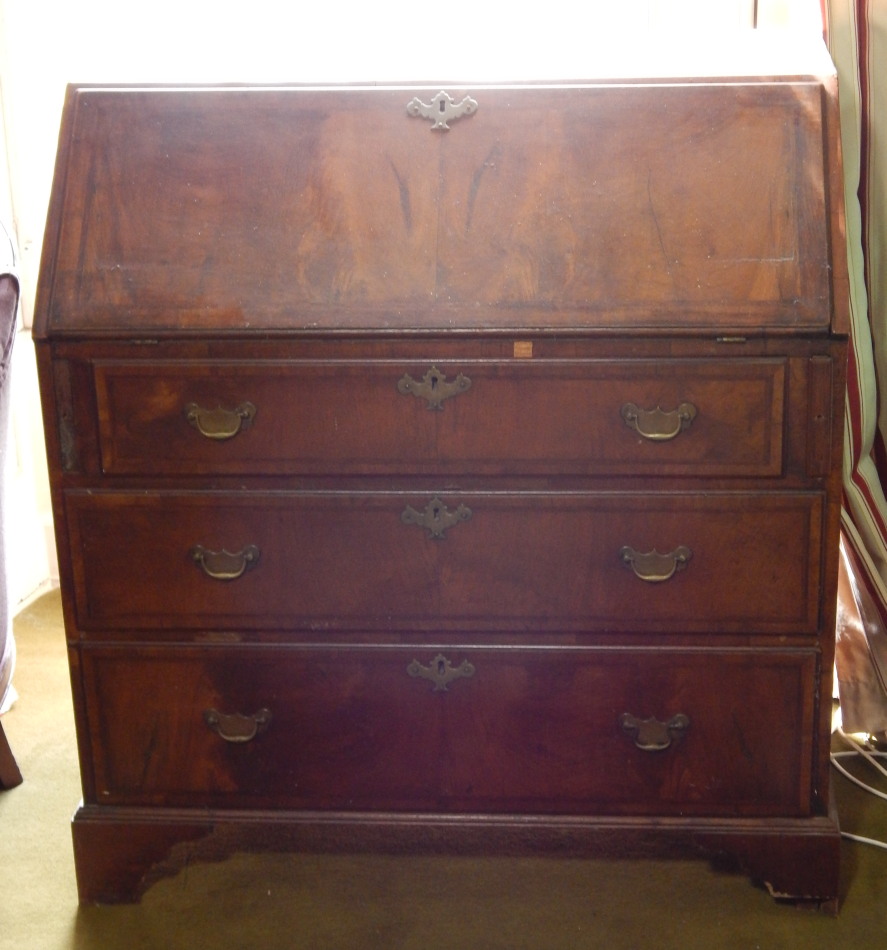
point(120, 852)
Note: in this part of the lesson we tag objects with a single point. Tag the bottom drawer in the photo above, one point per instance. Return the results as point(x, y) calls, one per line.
point(557, 730)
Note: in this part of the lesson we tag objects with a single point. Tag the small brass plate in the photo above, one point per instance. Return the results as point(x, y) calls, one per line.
point(523, 349)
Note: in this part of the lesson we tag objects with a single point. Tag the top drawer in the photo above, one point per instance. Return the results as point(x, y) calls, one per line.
point(708, 418)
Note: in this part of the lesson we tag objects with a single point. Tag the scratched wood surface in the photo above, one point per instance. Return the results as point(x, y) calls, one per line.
point(590, 206)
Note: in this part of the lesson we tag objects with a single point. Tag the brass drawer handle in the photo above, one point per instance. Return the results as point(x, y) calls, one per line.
point(220, 424)
point(434, 387)
point(657, 425)
point(441, 672)
point(443, 108)
point(235, 727)
point(653, 567)
point(223, 565)
point(436, 517)
point(651, 735)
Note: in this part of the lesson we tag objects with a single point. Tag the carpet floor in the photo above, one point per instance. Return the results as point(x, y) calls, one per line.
point(315, 902)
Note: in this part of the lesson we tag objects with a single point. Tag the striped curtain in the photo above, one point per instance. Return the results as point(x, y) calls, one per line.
point(856, 32)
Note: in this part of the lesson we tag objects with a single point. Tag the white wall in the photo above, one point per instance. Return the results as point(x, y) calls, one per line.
point(30, 562)
point(48, 43)
point(44, 44)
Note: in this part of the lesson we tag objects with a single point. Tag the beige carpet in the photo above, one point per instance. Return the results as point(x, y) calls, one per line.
point(366, 902)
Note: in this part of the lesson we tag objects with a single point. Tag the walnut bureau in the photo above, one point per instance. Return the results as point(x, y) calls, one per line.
point(449, 467)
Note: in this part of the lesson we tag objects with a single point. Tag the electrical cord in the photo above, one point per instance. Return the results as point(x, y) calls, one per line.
point(858, 749)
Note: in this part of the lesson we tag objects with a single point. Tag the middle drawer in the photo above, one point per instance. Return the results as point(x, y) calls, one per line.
point(671, 562)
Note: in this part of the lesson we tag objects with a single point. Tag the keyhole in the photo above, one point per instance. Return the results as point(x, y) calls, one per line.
point(442, 106)
point(441, 667)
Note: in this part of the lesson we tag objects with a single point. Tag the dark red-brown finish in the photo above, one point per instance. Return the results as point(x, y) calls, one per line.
point(550, 417)
point(352, 729)
point(241, 292)
point(602, 205)
point(533, 560)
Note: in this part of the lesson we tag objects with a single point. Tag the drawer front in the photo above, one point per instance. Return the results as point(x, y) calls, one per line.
point(450, 729)
point(673, 563)
point(702, 418)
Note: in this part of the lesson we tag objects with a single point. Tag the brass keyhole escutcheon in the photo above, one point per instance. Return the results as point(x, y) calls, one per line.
point(441, 672)
point(436, 517)
point(434, 387)
point(441, 110)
